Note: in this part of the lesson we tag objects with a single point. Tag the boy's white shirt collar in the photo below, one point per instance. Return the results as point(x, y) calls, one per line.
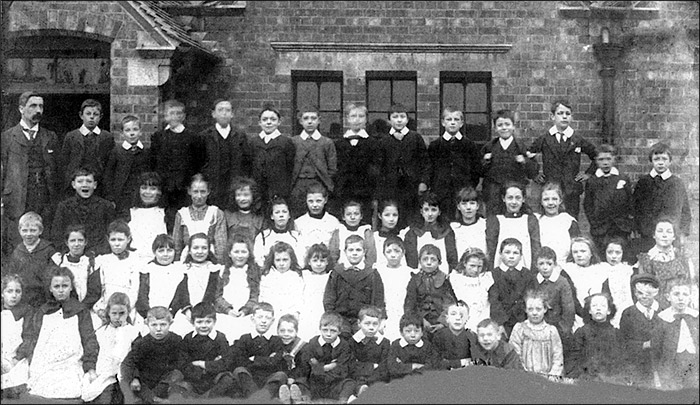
point(334, 343)
point(178, 129)
point(267, 335)
point(361, 133)
point(665, 175)
point(505, 144)
point(568, 132)
point(126, 145)
point(613, 170)
point(667, 314)
point(269, 137)
point(518, 267)
point(359, 336)
point(553, 278)
point(404, 343)
point(403, 131)
point(447, 136)
point(83, 130)
point(644, 310)
point(315, 136)
point(224, 132)
point(212, 335)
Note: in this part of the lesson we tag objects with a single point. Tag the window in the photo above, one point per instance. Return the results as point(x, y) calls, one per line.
point(470, 91)
point(323, 89)
point(385, 88)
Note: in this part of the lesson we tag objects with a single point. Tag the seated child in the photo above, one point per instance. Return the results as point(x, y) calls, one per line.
point(491, 350)
point(619, 277)
point(388, 215)
point(471, 281)
point(14, 313)
point(163, 273)
point(280, 228)
point(411, 354)
point(87, 281)
point(147, 215)
point(315, 275)
point(431, 229)
point(469, 226)
point(316, 225)
point(370, 350)
point(351, 225)
point(291, 354)
point(454, 342)
point(395, 276)
point(242, 213)
point(559, 297)
point(151, 370)
point(557, 226)
point(536, 341)
point(281, 283)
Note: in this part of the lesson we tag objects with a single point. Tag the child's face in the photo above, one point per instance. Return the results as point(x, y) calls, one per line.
point(561, 117)
point(117, 315)
point(430, 213)
point(280, 215)
point(429, 262)
point(244, 198)
point(661, 162)
point(551, 202)
point(118, 242)
point(199, 192)
point(239, 254)
point(199, 250)
point(159, 328)
point(468, 209)
point(581, 253)
point(513, 199)
point(369, 325)
point(149, 194)
point(535, 310)
point(174, 116)
point(12, 294)
point(645, 294)
point(679, 297)
point(599, 308)
point(283, 261)
point(604, 161)
point(90, 117)
point(473, 266)
point(60, 287)
point(76, 243)
point(287, 332)
point(318, 264)
point(504, 128)
point(263, 320)
point(315, 202)
point(357, 119)
point(389, 217)
point(613, 254)
point(204, 326)
point(329, 333)
point(545, 266)
point(664, 235)
point(393, 254)
point(398, 120)
point(30, 233)
point(352, 215)
point(165, 255)
point(223, 113)
point(511, 255)
point(269, 121)
point(452, 121)
point(84, 185)
point(488, 337)
point(412, 334)
point(456, 318)
point(131, 132)
point(309, 121)
point(355, 252)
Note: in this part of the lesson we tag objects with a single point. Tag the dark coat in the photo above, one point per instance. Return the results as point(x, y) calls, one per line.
point(224, 159)
point(273, 165)
point(73, 153)
point(561, 162)
point(347, 291)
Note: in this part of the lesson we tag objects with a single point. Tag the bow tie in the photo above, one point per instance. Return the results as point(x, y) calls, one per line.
point(685, 316)
point(368, 339)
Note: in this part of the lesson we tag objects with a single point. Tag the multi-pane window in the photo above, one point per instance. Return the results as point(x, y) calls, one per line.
point(385, 88)
point(470, 92)
point(323, 89)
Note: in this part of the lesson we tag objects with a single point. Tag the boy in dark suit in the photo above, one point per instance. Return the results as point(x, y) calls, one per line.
point(411, 354)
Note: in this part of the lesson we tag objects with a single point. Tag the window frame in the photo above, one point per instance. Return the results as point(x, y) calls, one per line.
point(465, 78)
point(318, 77)
point(391, 76)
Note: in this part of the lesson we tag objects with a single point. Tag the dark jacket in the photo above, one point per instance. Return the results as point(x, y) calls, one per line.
point(507, 295)
point(453, 348)
point(273, 165)
point(176, 157)
point(358, 168)
point(73, 153)
point(502, 167)
point(654, 198)
point(94, 213)
point(32, 267)
point(348, 290)
point(455, 164)
point(121, 176)
point(367, 353)
point(427, 294)
point(203, 348)
point(224, 159)
point(607, 206)
point(561, 162)
point(150, 360)
point(503, 356)
point(401, 359)
point(320, 154)
point(403, 164)
point(597, 350)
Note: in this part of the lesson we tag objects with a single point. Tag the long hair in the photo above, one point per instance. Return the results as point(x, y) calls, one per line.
point(210, 255)
point(281, 247)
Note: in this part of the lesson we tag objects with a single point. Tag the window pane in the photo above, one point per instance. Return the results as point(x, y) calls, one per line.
point(330, 96)
point(405, 93)
point(307, 93)
point(331, 124)
point(378, 95)
point(477, 127)
point(476, 97)
point(452, 95)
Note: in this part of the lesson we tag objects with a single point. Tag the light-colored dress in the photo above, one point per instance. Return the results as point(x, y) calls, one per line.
point(619, 277)
point(285, 291)
point(197, 282)
point(236, 293)
point(514, 228)
point(395, 283)
point(314, 230)
point(267, 238)
point(163, 282)
point(11, 333)
point(314, 288)
point(554, 232)
point(118, 275)
point(539, 347)
point(587, 281)
point(467, 236)
point(379, 244)
point(81, 271)
point(145, 225)
point(474, 291)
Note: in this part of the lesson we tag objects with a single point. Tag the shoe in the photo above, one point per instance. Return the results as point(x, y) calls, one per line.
point(362, 389)
point(351, 399)
point(295, 392)
point(285, 395)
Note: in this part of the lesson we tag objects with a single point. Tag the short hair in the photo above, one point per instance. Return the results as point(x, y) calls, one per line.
point(410, 319)
point(511, 242)
point(558, 103)
point(82, 171)
point(678, 282)
point(320, 250)
point(352, 203)
point(587, 304)
point(450, 110)
point(307, 108)
point(354, 239)
point(397, 108)
point(159, 312)
point(263, 306)
point(371, 311)
point(488, 322)
point(204, 309)
point(24, 98)
point(429, 198)
point(31, 218)
point(117, 298)
point(461, 306)
point(9, 278)
point(394, 240)
point(605, 148)
point(119, 226)
point(330, 318)
point(505, 114)
point(546, 252)
point(130, 118)
point(591, 246)
point(268, 106)
point(430, 249)
point(352, 106)
point(469, 253)
point(659, 149)
point(220, 100)
point(163, 241)
point(57, 271)
point(90, 102)
point(317, 187)
point(74, 228)
point(291, 318)
point(172, 103)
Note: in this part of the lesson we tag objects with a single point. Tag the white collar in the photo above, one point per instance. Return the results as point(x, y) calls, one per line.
point(655, 251)
point(178, 129)
point(83, 130)
point(361, 133)
point(26, 127)
point(334, 344)
point(613, 171)
point(212, 335)
point(224, 132)
point(359, 336)
point(271, 136)
point(667, 314)
point(404, 343)
point(643, 309)
point(126, 145)
point(553, 278)
point(518, 267)
point(505, 144)
point(568, 132)
point(403, 131)
point(267, 335)
point(315, 136)
point(447, 136)
point(665, 175)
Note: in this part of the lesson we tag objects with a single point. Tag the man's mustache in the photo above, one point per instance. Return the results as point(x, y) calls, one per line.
point(37, 116)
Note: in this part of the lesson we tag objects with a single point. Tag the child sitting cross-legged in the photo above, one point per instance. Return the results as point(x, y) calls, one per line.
point(296, 389)
point(455, 341)
point(491, 350)
point(370, 349)
point(411, 354)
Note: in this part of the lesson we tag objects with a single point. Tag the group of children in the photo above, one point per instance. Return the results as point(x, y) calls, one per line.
point(168, 286)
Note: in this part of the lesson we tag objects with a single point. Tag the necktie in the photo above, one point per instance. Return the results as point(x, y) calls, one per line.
point(31, 132)
point(650, 314)
point(327, 352)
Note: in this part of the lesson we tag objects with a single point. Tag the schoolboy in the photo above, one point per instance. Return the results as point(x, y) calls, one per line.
point(454, 160)
point(431, 229)
point(503, 160)
point(316, 225)
point(370, 350)
point(492, 350)
point(411, 354)
point(608, 200)
point(358, 163)
point(352, 225)
point(454, 342)
point(296, 388)
point(315, 160)
point(30, 259)
point(510, 282)
point(677, 341)
point(352, 286)
point(660, 193)
point(561, 150)
point(551, 280)
point(87, 146)
point(226, 153)
point(204, 345)
point(404, 164)
point(151, 370)
point(125, 164)
point(638, 325)
point(84, 208)
point(326, 361)
point(176, 154)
